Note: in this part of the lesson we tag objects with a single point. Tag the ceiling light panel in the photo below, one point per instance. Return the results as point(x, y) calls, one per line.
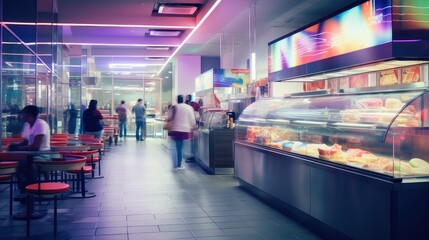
point(177, 9)
point(158, 48)
point(164, 33)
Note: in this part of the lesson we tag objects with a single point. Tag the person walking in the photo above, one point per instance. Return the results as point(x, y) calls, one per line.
point(140, 113)
point(92, 120)
point(182, 123)
point(121, 110)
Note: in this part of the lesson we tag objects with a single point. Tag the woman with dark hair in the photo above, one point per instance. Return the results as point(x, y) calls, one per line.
point(92, 119)
point(182, 124)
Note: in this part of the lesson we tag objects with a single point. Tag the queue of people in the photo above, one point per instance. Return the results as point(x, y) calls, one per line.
point(36, 131)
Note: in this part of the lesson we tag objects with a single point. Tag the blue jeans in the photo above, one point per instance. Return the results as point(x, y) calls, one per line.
point(97, 135)
point(140, 128)
point(179, 152)
point(122, 129)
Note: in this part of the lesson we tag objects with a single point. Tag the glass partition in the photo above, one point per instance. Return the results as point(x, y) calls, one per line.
point(18, 82)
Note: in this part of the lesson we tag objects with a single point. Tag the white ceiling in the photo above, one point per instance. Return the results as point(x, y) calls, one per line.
point(274, 18)
point(279, 17)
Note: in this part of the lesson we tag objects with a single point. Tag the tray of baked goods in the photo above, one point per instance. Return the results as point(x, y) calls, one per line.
point(357, 158)
point(381, 113)
point(366, 160)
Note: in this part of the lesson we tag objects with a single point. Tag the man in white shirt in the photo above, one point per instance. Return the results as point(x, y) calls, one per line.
point(36, 134)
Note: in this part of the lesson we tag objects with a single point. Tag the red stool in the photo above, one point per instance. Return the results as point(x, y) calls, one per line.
point(51, 189)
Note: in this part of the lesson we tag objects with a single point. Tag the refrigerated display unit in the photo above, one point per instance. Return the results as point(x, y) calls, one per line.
point(355, 165)
point(214, 143)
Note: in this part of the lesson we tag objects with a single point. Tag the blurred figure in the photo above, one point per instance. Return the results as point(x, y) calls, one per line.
point(182, 121)
point(121, 110)
point(92, 120)
point(190, 145)
point(140, 112)
point(72, 114)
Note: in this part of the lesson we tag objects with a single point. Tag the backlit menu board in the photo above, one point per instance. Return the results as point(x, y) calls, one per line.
point(235, 78)
point(364, 26)
point(204, 81)
point(374, 31)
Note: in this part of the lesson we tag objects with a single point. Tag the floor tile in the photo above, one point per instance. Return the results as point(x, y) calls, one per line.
point(111, 231)
point(148, 200)
point(143, 229)
point(173, 228)
point(208, 233)
point(202, 226)
point(239, 231)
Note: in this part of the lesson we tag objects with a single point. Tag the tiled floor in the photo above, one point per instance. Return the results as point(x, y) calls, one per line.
point(141, 197)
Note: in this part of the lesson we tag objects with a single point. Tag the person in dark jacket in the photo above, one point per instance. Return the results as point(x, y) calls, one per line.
point(72, 112)
point(92, 120)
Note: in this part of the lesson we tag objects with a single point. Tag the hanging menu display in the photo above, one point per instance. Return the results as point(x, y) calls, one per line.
point(373, 31)
point(410, 74)
point(366, 25)
point(388, 77)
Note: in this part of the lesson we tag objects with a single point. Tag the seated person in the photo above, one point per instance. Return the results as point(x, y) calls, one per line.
point(36, 134)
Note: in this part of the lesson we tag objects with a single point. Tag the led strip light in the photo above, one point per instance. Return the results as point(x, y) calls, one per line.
point(190, 34)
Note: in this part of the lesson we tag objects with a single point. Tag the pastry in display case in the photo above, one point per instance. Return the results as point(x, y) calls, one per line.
point(382, 132)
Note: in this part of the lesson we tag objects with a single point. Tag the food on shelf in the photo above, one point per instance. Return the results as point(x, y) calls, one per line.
point(419, 166)
point(312, 150)
point(370, 118)
point(350, 116)
point(419, 163)
point(300, 148)
point(410, 123)
point(398, 167)
point(355, 154)
point(277, 144)
point(334, 153)
point(370, 103)
point(393, 103)
point(288, 145)
point(369, 158)
point(252, 132)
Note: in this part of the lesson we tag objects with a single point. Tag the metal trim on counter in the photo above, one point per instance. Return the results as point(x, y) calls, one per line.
point(321, 162)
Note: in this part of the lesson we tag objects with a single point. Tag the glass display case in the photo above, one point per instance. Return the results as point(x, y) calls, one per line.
point(382, 132)
point(213, 119)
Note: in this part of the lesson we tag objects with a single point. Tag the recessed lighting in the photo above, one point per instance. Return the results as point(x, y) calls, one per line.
point(100, 25)
point(164, 33)
point(190, 34)
point(177, 9)
point(158, 48)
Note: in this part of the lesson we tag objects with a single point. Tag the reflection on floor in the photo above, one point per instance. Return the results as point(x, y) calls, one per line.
point(141, 197)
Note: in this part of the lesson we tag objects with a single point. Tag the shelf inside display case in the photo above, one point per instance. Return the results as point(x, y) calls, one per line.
point(380, 132)
point(213, 119)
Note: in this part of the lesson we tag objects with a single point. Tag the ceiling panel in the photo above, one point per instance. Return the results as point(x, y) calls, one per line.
point(124, 24)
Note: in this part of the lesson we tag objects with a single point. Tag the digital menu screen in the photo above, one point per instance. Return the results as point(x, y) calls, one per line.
point(364, 26)
point(204, 81)
point(235, 78)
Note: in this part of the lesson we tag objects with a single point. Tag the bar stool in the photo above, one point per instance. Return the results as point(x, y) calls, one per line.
point(49, 189)
point(7, 170)
point(80, 178)
point(92, 159)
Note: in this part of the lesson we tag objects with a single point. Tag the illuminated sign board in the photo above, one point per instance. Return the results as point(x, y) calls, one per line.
point(373, 31)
